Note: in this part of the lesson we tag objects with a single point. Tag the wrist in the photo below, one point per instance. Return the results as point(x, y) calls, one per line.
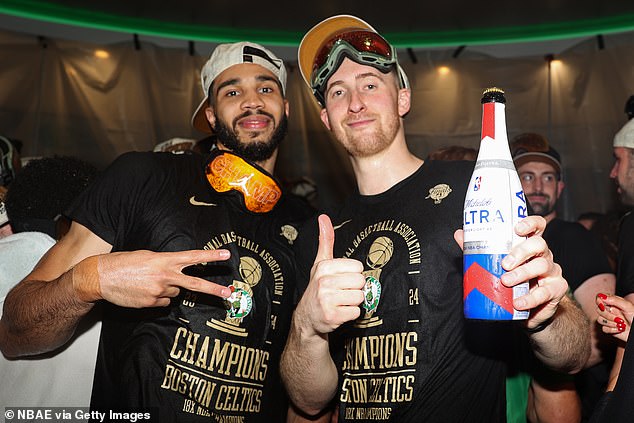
point(540, 326)
point(85, 280)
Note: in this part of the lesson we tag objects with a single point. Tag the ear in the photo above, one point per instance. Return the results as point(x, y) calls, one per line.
point(287, 109)
point(324, 118)
point(404, 101)
point(560, 188)
point(211, 117)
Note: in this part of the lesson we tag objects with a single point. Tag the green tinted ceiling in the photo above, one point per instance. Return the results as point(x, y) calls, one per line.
point(56, 13)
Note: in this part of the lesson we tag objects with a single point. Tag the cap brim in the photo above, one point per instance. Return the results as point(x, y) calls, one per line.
point(315, 37)
point(534, 156)
point(199, 119)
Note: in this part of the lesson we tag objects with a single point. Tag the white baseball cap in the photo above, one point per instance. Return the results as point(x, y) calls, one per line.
point(625, 137)
point(227, 55)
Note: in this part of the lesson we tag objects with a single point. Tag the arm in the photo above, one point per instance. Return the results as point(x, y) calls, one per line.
point(42, 312)
point(586, 296)
point(332, 298)
point(553, 400)
point(564, 342)
point(616, 368)
point(558, 329)
point(39, 316)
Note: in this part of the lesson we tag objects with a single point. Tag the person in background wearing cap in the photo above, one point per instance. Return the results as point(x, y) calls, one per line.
point(379, 329)
point(585, 266)
point(191, 259)
point(615, 311)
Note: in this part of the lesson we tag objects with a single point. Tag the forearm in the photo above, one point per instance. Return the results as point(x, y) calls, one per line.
point(308, 372)
point(555, 401)
point(585, 296)
point(616, 368)
point(564, 343)
point(40, 316)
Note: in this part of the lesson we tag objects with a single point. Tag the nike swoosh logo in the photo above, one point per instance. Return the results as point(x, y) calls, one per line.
point(194, 202)
point(340, 225)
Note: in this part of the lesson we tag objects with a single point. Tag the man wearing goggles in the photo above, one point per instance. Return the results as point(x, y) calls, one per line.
point(379, 329)
point(191, 258)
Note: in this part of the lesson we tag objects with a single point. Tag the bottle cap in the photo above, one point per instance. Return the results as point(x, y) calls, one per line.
point(493, 95)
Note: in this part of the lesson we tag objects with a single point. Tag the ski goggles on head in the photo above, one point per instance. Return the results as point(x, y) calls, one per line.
point(228, 172)
point(362, 46)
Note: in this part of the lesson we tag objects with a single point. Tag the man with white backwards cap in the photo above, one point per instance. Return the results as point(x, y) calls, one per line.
point(379, 330)
point(192, 257)
point(616, 312)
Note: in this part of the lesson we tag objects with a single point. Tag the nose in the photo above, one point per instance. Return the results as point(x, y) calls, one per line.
point(613, 172)
point(356, 102)
point(252, 100)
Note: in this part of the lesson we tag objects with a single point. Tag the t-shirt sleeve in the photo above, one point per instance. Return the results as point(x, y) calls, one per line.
point(112, 201)
point(625, 265)
point(305, 250)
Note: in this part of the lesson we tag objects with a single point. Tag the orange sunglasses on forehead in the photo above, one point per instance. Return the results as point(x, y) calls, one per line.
point(229, 172)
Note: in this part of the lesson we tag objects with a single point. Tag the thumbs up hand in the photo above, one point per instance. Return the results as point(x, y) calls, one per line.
point(335, 289)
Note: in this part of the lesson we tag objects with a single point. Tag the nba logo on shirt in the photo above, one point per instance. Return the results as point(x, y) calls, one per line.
point(476, 186)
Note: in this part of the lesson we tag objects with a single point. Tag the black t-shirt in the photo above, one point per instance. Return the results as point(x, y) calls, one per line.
point(201, 358)
point(619, 404)
point(580, 255)
point(625, 263)
point(576, 250)
point(411, 356)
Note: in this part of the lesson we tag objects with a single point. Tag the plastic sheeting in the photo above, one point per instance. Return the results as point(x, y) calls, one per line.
point(58, 97)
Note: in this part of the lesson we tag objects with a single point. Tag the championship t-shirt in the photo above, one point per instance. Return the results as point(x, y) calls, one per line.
point(202, 358)
point(411, 356)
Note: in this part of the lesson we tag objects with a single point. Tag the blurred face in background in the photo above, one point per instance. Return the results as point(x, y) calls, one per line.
point(542, 187)
point(623, 174)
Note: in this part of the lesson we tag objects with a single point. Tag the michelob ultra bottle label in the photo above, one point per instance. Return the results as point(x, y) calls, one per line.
point(494, 204)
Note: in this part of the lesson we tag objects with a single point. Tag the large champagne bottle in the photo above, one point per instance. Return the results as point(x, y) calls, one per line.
point(494, 204)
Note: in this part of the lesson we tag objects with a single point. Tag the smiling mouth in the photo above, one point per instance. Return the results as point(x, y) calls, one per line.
point(254, 123)
point(359, 122)
point(538, 197)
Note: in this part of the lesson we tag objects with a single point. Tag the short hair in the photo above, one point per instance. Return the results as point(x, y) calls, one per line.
point(43, 190)
point(453, 152)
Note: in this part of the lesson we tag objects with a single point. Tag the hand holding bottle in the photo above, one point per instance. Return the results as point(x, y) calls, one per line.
point(532, 260)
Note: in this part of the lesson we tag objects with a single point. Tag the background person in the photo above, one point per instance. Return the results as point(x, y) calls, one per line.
point(583, 263)
point(618, 404)
point(36, 201)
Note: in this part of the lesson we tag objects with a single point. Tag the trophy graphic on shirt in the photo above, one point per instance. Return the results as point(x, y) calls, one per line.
point(380, 253)
point(240, 302)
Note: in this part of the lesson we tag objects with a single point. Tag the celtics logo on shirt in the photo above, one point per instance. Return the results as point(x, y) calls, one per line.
point(372, 294)
point(240, 303)
point(379, 254)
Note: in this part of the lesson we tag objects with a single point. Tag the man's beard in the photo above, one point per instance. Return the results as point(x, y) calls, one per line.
point(366, 145)
point(257, 151)
point(543, 208)
point(627, 197)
